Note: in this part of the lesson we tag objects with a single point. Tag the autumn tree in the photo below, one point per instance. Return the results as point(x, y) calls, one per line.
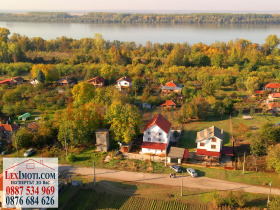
point(273, 157)
point(83, 92)
point(124, 120)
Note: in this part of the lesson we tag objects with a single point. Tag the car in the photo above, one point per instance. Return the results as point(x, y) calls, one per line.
point(176, 168)
point(192, 172)
point(29, 152)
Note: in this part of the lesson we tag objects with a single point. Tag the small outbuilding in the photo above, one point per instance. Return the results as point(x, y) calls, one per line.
point(25, 116)
point(177, 154)
point(102, 140)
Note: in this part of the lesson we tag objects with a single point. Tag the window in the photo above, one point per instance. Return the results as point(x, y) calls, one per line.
point(202, 144)
point(213, 146)
point(159, 140)
point(149, 133)
point(149, 139)
point(159, 134)
point(214, 140)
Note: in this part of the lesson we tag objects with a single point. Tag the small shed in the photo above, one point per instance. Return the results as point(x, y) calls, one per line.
point(178, 154)
point(125, 147)
point(25, 116)
point(102, 140)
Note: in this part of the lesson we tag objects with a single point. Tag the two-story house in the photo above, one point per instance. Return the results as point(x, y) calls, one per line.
point(209, 143)
point(157, 135)
point(124, 83)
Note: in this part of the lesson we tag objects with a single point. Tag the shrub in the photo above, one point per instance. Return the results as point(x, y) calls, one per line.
point(71, 158)
point(274, 203)
point(240, 198)
point(215, 198)
point(231, 200)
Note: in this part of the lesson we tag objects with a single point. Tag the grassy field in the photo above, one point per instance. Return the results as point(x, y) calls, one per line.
point(111, 194)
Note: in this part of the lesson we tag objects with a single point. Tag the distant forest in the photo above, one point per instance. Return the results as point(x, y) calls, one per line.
point(105, 17)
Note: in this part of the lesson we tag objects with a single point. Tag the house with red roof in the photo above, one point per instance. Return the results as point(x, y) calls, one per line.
point(124, 83)
point(273, 87)
point(7, 131)
point(157, 135)
point(97, 81)
point(169, 103)
point(273, 97)
point(210, 144)
point(12, 81)
point(274, 106)
point(171, 87)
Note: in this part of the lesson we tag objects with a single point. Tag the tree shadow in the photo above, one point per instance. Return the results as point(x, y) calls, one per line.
point(200, 173)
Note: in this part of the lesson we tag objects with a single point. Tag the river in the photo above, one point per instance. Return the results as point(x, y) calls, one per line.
point(141, 33)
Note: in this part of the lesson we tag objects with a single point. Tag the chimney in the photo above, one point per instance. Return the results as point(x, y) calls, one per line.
point(222, 131)
point(7, 122)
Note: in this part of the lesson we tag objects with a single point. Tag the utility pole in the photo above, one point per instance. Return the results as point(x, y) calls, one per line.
point(182, 184)
point(269, 193)
point(94, 173)
point(244, 162)
point(165, 155)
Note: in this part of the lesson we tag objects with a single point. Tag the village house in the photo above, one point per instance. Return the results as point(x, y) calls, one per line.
point(7, 131)
point(124, 83)
point(97, 81)
point(210, 144)
point(34, 81)
point(273, 97)
point(273, 107)
point(171, 87)
point(66, 81)
point(12, 81)
point(169, 104)
point(273, 87)
point(157, 135)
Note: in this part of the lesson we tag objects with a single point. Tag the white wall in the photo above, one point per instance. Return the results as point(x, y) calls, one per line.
point(208, 143)
point(154, 151)
point(154, 135)
point(124, 83)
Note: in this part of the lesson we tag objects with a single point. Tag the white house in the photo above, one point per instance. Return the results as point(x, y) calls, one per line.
point(157, 135)
point(124, 83)
point(34, 81)
point(209, 143)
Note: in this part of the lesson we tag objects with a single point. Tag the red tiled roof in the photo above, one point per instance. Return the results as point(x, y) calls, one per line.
point(273, 105)
point(160, 121)
point(227, 151)
point(11, 81)
point(153, 145)
point(207, 153)
point(171, 84)
point(259, 92)
point(275, 95)
point(125, 78)
point(6, 127)
point(169, 103)
point(186, 154)
point(98, 78)
point(272, 85)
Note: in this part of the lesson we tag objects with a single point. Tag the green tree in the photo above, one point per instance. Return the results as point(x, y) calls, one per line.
point(83, 92)
point(41, 77)
point(272, 41)
point(258, 145)
point(23, 139)
point(124, 120)
point(273, 157)
point(252, 84)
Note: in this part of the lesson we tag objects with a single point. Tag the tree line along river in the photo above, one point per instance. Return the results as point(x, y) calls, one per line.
point(141, 33)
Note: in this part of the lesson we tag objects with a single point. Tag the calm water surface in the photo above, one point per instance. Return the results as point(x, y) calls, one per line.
point(141, 33)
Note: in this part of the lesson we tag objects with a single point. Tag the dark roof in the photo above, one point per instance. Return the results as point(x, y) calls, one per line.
point(208, 133)
point(207, 153)
point(153, 145)
point(98, 78)
point(227, 151)
point(176, 152)
point(160, 121)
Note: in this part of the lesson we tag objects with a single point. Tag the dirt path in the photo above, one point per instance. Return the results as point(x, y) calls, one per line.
point(163, 179)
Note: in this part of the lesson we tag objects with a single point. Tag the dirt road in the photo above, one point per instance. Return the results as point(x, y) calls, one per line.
point(163, 179)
